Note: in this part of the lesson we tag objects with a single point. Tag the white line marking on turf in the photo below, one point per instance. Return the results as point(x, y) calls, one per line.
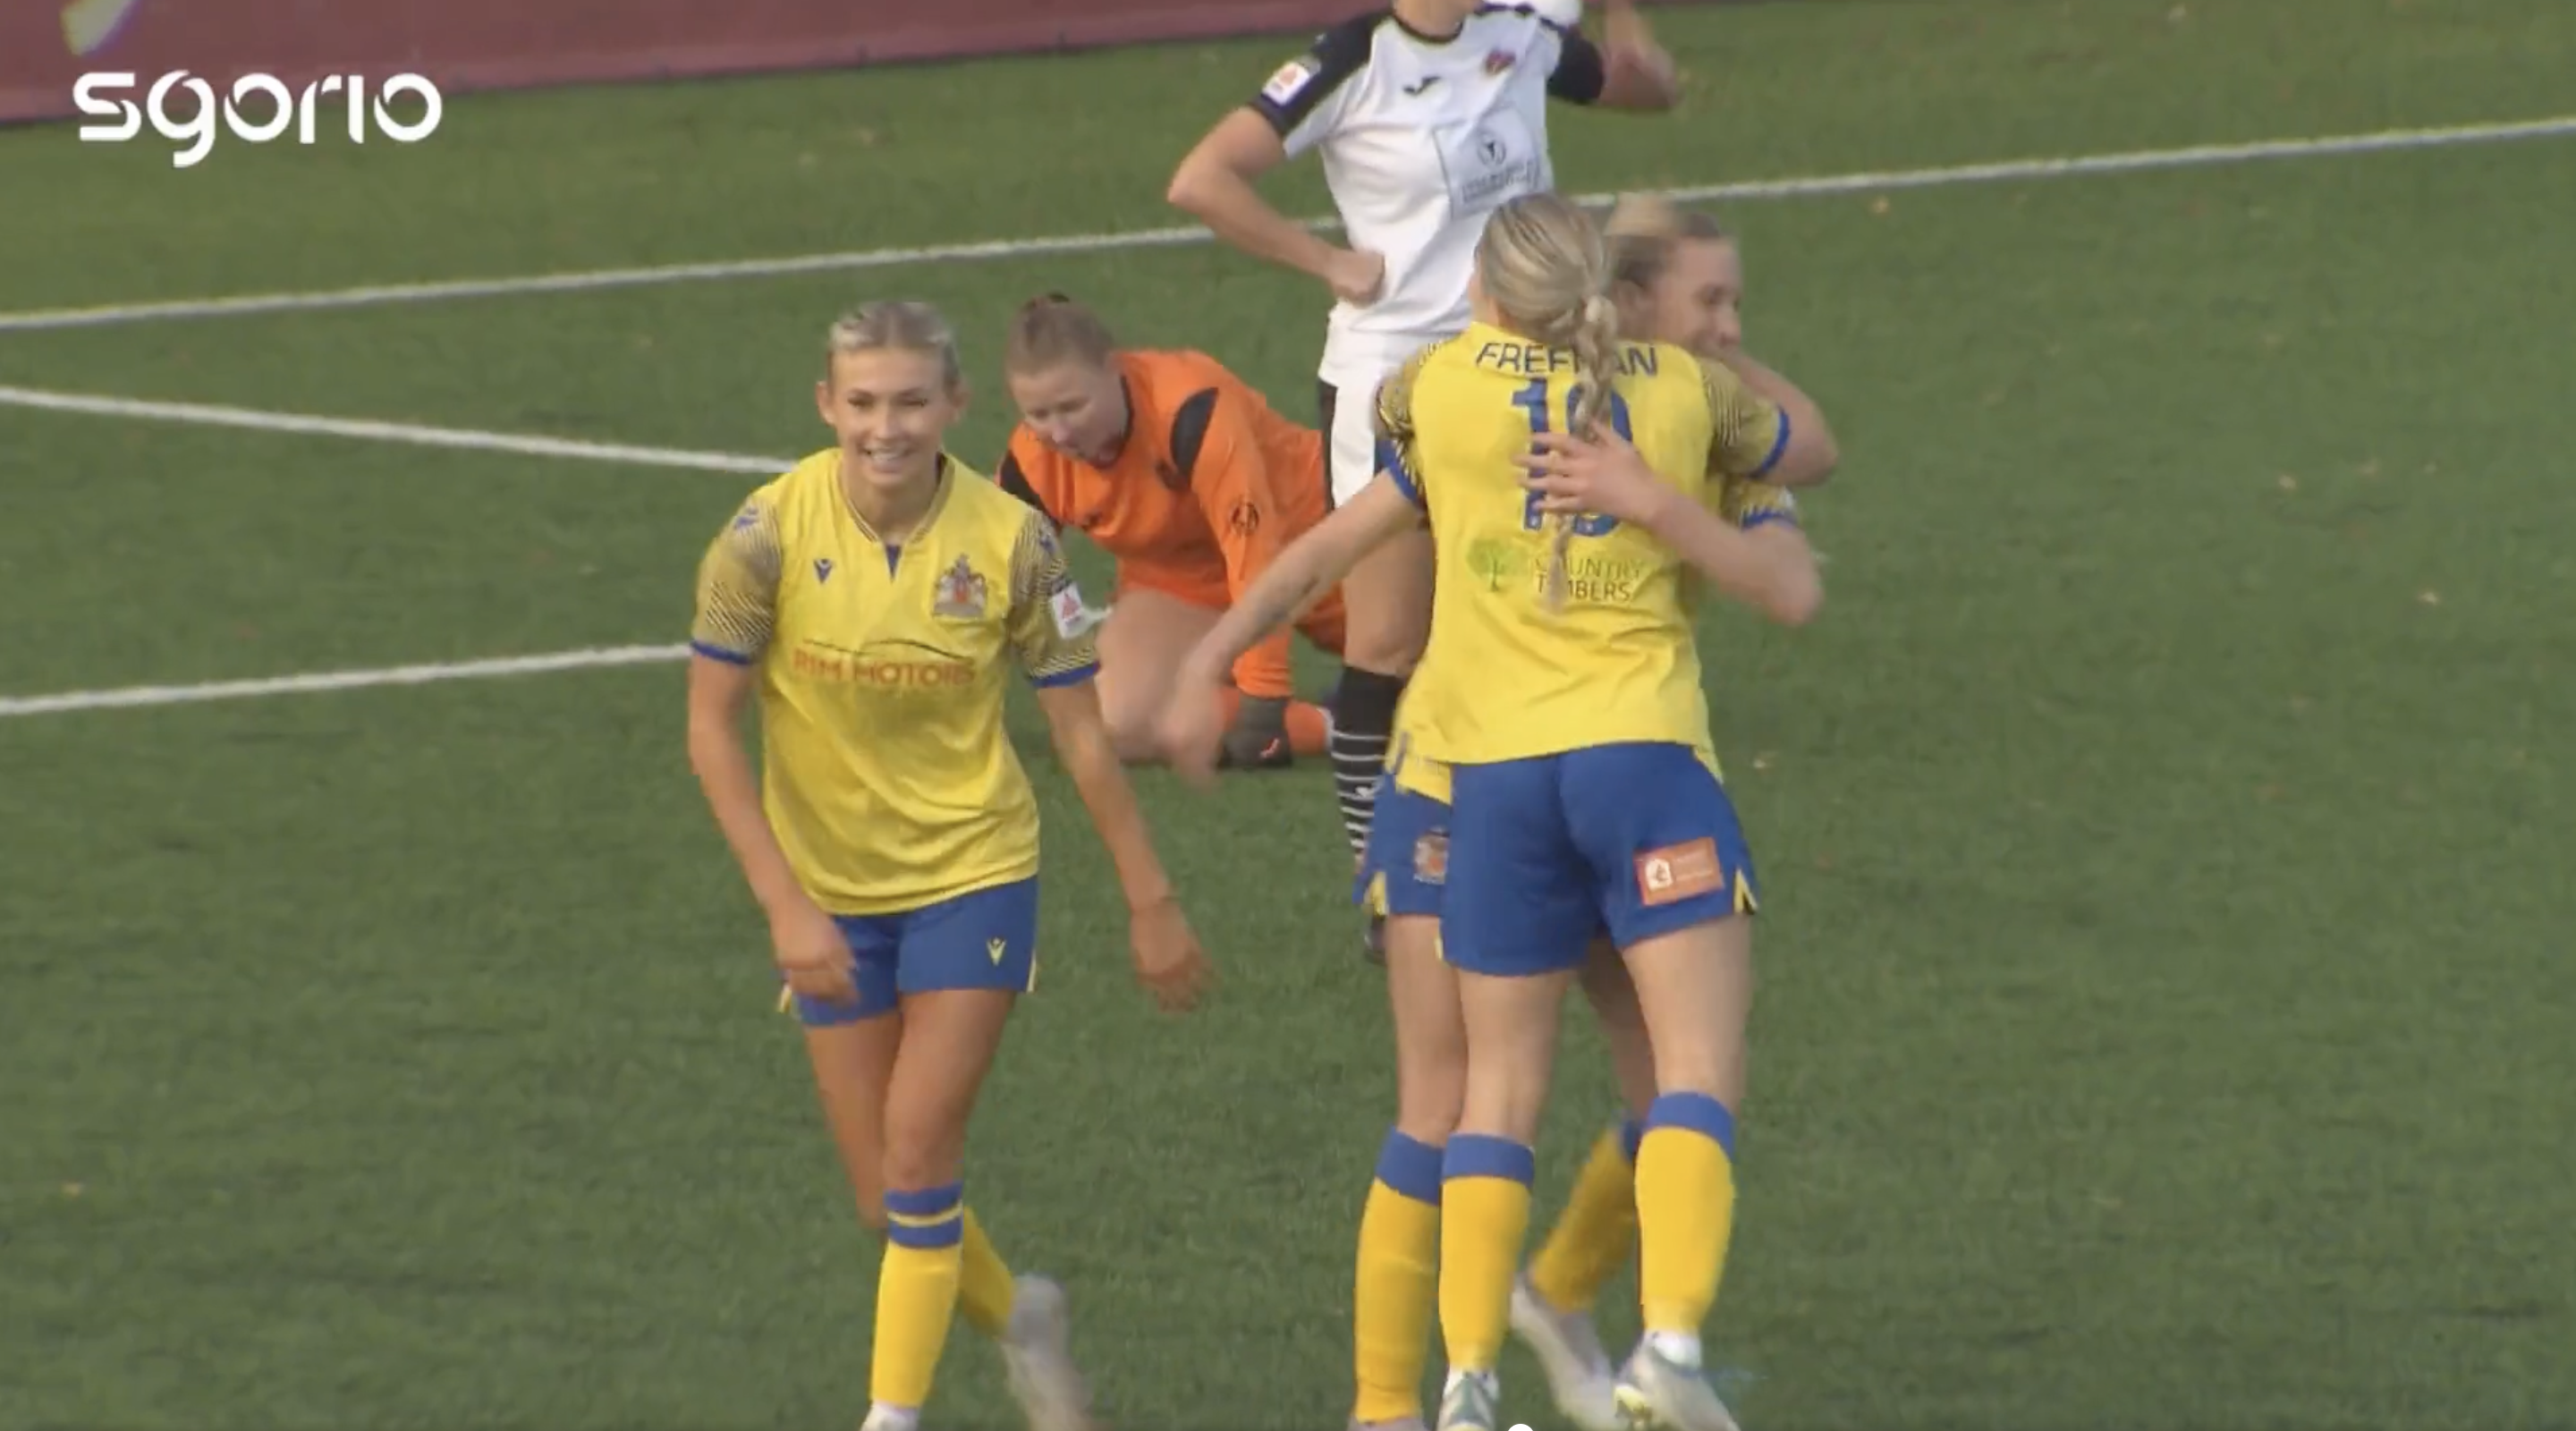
point(130, 697)
point(209, 415)
point(593, 657)
point(2136, 161)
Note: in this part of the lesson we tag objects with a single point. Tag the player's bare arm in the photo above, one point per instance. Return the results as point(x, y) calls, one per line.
point(1302, 573)
point(1193, 723)
point(808, 946)
point(1168, 958)
point(1770, 568)
point(1215, 184)
point(1638, 73)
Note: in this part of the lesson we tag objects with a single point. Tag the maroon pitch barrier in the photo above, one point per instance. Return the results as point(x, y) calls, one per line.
point(461, 45)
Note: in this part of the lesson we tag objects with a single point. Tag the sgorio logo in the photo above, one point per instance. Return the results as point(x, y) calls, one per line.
point(258, 109)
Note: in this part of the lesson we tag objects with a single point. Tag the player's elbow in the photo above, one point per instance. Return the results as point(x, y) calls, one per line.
point(1194, 183)
point(1796, 600)
point(1792, 586)
point(1079, 726)
point(1811, 458)
point(1223, 165)
point(1182, 193)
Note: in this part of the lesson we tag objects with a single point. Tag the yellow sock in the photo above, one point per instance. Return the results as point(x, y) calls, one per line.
point(1484, 1214)
point(1685, 1210)
point(1398, 1278)
point(916, 1292)
point(1598, 1229)
point(985, 1290)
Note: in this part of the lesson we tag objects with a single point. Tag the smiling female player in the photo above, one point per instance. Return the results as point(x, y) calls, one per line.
point(1181, 471)
point(872, 600)
point(1538, 655)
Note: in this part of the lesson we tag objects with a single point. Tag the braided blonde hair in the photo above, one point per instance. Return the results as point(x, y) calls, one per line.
point(1546, 269)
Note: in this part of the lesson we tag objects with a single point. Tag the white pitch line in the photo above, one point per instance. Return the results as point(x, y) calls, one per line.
point(140, 696)
point(130, 697)
point(473, 439)
point(2136, 161)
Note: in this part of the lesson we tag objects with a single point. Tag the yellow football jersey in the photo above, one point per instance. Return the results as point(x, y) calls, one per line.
point(1744, 503)
point(886, 771)
point(1513, 679)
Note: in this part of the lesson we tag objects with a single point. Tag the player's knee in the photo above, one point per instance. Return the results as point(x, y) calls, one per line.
point(1504, 1097)
point(1393, 649)
point(1707, 1062)
point(1431, 1092)
point(1132, 734)
point(922, 1155)
point(1428, 1112)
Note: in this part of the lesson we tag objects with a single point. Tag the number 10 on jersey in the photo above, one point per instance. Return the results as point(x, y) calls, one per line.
point(1532, 401)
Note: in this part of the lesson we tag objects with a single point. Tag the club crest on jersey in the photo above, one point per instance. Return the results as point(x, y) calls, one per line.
point(960, 594)
point(1497, 61)
point(822, 570)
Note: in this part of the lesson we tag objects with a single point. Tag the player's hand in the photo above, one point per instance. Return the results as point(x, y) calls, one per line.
point(1192, 731)
point(1627, 45)
point(1259, 739)
point(812, 953)
point(1169, 962)
point(1356, 275)
point(1604, 475)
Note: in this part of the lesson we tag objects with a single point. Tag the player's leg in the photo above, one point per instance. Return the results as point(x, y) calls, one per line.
point(1514, 920)
point(853, 1064)
point(1596, 1234)
point(1678, 894)
point(963, 965)
point(1310, 726)
point(1142, 644)
point(1698, 982)
point(1397, 1274)
point(1386, 601)
point(852, 1049)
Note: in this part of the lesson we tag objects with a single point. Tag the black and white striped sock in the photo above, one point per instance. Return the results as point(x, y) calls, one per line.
point(1363, 721)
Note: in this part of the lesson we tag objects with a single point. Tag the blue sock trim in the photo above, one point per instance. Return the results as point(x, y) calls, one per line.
point(1411, 1167)
point(1474, 1155)
point(1694, 1113)
point(924, 1202)
point(1632, 1133)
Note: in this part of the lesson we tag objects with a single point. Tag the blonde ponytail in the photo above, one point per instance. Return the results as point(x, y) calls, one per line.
point(1595, 340)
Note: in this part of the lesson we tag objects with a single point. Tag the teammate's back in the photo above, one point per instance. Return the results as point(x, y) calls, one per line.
point(1609, 655)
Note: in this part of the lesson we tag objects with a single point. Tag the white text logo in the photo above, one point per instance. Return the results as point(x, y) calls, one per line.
point(259, 108)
